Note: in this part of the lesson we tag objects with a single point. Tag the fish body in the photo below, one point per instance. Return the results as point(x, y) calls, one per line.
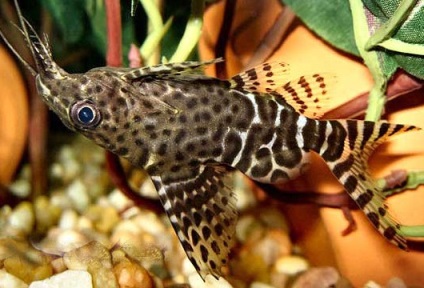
point(188, 130)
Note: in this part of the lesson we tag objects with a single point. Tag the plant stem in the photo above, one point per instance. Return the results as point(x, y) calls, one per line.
point(114, 33)
point(192, 32)
point(362, 34)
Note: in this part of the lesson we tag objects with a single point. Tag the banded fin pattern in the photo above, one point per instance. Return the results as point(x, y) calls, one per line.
point(349, 164)
point(187, 68)
point(265, 77)
point(308, 94)
point(202, 211)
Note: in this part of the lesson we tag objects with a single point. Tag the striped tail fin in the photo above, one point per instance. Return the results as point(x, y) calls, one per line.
point(349, 163)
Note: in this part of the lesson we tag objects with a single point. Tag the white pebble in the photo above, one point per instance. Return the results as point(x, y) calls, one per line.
point(291, 265)
point(70, 239)
point(118, 200)
point(68, 219)
point(84, 223)
point(56, 170)
point(22, 218)
point(150, 223)
point(66, 279)
point(148, 189)
point(371, 284)
point(188, 267)
point(8, 280)
point(78, 193)
point(260, 285)
point(244, 194)
point(210, 282)
point(71, 167)
point(396, 283)
point(61, 199)
point(245, 225)
point(21, 188)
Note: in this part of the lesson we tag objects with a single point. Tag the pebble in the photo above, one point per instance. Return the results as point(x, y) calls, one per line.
point(78, 193)
point(66, 279)
point(317, 278)
point(46, 214)
point(21, 188)
point(63, 240)
point(291, 265)
point(273, 218)
point(147, 189)
point(244, 194)
point(274, 245)
point(96, 259)
point(67, 168)
point(118, 200)
point(22, 218)
point(68, 219)
point(210, 282)
point(8, 280)
point(150, 223)
point(246, 225)
point(250, 267)
point(85, 224)
point(396, 283)
point(279, 280)
point(371, 284)
point(131, 275)
point(60, 199)
point(260, 285)
point(91, 254)
point(31, 266)
point(104, 218)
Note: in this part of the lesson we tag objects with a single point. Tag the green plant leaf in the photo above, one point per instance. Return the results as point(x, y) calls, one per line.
point(332, 20)
point(69, 16)
point(410, 31)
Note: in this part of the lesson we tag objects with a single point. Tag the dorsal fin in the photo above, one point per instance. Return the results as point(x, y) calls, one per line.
point(169, 69)
point(263, 78)
point(307, 94)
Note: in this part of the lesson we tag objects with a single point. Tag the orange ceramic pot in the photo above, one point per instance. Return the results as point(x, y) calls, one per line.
point(13, 116)
point(364, 254)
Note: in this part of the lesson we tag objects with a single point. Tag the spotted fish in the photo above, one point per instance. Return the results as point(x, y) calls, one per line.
point(188, 131)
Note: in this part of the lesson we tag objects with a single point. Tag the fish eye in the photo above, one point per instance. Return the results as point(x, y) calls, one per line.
point(85, 114)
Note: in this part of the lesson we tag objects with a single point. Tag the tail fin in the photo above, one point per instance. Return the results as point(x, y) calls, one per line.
point(348, 162)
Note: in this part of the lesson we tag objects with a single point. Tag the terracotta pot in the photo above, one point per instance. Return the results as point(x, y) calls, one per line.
point(364, 254)
point(13, 116)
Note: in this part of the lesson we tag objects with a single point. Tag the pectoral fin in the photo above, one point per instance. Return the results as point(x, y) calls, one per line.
point(202, 211)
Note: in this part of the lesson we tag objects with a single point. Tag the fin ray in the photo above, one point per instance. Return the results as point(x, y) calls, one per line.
point(307, 94)
point(202, 211)
point(169, 70)
point(351, 169)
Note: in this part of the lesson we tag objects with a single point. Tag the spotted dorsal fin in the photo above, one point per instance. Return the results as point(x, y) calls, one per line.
point(169, 69)
point(263, 78)
point(202, 211)
point(307, 94)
